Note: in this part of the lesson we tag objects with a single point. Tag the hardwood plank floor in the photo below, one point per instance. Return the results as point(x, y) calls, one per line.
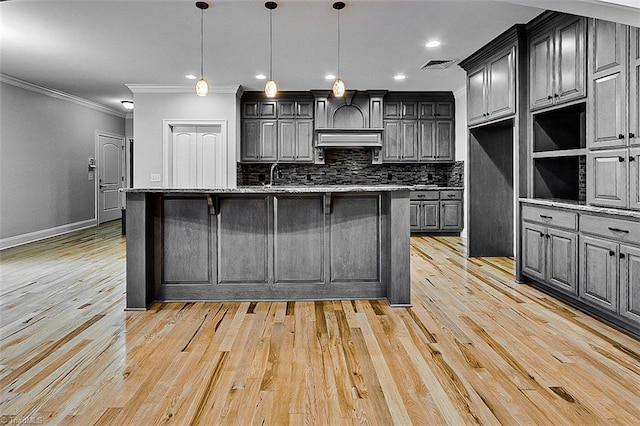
point(475, 348)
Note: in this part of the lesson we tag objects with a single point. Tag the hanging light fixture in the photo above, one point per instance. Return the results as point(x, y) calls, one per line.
point(271, 88)
point(202, 87)
point(338, 85)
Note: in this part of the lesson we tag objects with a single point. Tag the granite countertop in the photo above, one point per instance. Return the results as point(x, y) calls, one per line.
point(435, 187)
point(581, 207)
point(276, 189)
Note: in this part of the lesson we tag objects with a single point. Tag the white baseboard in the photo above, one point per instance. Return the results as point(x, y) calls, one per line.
point(30, 237)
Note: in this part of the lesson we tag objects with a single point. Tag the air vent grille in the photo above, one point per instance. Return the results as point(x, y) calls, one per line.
point(439, 64)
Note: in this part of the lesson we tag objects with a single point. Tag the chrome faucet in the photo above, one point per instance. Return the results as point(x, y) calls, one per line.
point(274, 166)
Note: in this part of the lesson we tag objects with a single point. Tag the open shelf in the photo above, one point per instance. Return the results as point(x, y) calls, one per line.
point(560, 178)
point(560, 129)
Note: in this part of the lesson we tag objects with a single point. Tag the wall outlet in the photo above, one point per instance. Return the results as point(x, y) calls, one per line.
point(91, 175)
point(155, 177)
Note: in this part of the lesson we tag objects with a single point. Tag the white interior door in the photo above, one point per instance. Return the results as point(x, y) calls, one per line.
point(198, 157)
point(110, 178)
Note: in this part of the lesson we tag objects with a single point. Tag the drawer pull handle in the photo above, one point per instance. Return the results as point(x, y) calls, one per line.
point(618, 230)
point(549, 97)
point(421, 195)
point(555, 95)
point(621, 255)
point(612, 253)
point(451, 195)
point(546, 217)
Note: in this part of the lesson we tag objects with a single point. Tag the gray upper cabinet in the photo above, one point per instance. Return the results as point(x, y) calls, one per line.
point(277, 130)
point(491, 78)
point(557, 59)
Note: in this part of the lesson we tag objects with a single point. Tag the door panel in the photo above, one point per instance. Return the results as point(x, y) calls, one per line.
point(609, 111)
point(634, 178)
point(304, 140)
point(410, 140)
point(445, 140)
point(414, 215)
point(501, 98)
point(430, 217)
point(599, 272)
point(110, 178)
point(427, 139)
point(450, 215)
point(286, 139)
point(607, 178)
point(562, 260)
point(630, 283)
point(533, 250)
point(541, 71)
point(211, 162)
point(476, 107)
point(570, 57)
point(392, 140)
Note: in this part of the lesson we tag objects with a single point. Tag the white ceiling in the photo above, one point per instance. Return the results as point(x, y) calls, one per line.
point(92, 48)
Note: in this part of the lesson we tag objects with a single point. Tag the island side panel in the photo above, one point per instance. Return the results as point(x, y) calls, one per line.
point(186, 249)
point(243, 240)
point(298, 236)
point(355, 238)
point(140, 251)
point(399, 281)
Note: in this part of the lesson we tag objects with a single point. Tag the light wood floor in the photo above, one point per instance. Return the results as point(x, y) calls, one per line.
point(475, 348)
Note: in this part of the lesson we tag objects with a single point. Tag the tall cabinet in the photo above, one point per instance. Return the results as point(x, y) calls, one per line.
point(496, 97)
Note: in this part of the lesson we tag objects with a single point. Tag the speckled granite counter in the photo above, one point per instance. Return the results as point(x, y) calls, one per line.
point(275, 189)
point(268, 243)
point(582, 207)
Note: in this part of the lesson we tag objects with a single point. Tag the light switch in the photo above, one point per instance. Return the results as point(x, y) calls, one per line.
point(155, 177)
point(91, 175)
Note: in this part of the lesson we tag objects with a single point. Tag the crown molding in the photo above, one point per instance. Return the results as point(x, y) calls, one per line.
point(59, 95)
point(179, 88)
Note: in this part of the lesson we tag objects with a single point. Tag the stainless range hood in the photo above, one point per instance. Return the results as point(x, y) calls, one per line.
point(349, 138)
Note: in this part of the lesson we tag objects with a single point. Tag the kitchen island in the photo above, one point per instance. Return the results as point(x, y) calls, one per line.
point(268, 243)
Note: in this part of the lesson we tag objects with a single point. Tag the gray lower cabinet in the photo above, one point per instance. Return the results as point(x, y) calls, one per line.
point(436, 211)
point(592, 258)
point(549, 255)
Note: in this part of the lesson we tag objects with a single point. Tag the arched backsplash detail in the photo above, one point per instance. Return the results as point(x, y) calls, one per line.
point(349, 117)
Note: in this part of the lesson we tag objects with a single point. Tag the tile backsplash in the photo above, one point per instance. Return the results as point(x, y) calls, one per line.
point(353, 167)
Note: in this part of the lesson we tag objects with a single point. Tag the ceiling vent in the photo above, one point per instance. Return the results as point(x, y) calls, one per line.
point(438, 64)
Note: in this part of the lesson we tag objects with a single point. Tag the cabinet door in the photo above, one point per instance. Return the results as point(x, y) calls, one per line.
point(634, 86)
point(304, 140)
point(570, 67)
point(630, 283)
point(250, 110)
point(414, 215)
point(501, 92)
point(427, 110)
point(445, 140)
point(409, 140)
point(392, 140)
point(634, 178)
point(541, 71)
point(450, 215)
point(599, 272)
point(427, 139)
point(250, 141)
point(286, 109)
point(476, 108)
point(286, 140)
point(533, 250)
point(607, 178)
point(608, 71)
point(392, 109)
point(409, 110)
point(268, 109)
point(269, 140)
point(444, 110)
point(304, 109)
point(562, 260)
point(430, 216)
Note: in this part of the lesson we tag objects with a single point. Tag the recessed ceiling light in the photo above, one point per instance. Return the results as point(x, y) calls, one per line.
point(261, 76)
point(433, 43)
point(127, 104)
point(329, 77)
point(399, 77)
point(190, 76)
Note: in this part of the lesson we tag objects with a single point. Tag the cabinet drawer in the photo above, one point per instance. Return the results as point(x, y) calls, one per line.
point(617, 229)
point(424, 195)
point(559, 218)
point(451, 195)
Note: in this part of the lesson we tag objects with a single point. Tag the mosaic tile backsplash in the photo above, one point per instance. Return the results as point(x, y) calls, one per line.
point(353, 167)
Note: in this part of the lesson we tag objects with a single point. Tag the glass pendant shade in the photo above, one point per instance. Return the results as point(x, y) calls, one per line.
point(202, 87)
point(338, 88)
point(271, 89)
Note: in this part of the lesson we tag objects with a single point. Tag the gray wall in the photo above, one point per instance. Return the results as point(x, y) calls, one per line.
point(45, 144)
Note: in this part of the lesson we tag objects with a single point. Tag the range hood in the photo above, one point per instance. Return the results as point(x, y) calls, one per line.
point(349, 138)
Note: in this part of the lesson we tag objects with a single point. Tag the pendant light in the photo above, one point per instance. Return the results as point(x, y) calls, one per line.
point(338, 86)
point(271, 88)
point(202, 87)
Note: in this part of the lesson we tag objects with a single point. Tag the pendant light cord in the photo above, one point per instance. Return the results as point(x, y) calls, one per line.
point(338, 48)
point(270, 44)
point(201, 43)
